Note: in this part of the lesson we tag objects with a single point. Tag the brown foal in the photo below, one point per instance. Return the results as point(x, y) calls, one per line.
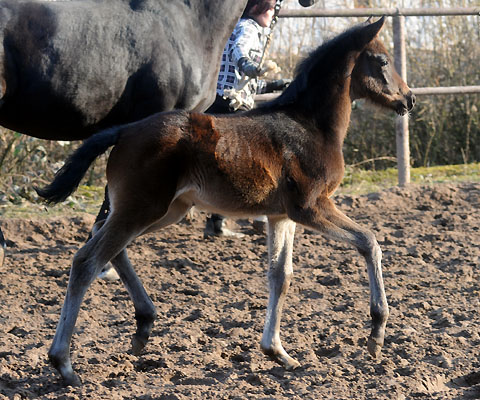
point(283, 160)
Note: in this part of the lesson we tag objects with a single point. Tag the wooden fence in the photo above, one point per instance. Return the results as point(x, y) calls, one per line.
point(398, 14)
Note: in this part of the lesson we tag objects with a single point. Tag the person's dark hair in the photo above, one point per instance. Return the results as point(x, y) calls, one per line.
point(262, 6)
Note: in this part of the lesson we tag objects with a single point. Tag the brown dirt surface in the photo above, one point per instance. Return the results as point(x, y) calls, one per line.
point(211, 296)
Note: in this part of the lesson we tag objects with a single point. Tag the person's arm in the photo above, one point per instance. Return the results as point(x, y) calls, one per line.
point(248, 67)
point(247, 39)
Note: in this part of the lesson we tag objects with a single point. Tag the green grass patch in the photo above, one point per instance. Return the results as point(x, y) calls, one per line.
point(358, 181)
point(87, 199)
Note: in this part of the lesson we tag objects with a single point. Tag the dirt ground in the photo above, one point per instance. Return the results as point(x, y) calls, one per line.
point(211, 296)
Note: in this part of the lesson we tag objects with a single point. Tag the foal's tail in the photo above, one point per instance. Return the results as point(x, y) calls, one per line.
point(69, 176)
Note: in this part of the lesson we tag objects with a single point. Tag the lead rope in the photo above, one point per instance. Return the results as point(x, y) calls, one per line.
point(278, 6)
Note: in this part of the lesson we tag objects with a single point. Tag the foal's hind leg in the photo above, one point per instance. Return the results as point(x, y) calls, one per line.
point(326, 218)
point(145, 313)
point(107, 272)
point(3, 246)
point(109, 241)
point(280, 246)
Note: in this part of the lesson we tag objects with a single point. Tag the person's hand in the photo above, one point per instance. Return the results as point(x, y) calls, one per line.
point(270, 67)
point(283, 83)
point(278, 84)
point(248, 68)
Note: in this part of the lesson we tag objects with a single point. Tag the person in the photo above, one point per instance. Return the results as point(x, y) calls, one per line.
point(239, 80)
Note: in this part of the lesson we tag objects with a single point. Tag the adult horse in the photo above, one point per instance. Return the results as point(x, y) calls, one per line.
point(283, 160)
point(70, 68)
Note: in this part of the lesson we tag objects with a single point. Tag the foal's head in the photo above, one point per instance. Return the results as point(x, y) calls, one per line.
point(357, 54)
point(374, 77)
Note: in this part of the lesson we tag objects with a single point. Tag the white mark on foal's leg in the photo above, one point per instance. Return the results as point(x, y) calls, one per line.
point(280, 246)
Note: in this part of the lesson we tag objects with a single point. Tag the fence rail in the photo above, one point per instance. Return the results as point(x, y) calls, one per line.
point(446, 90)
point(391, 12)
point(398, 14)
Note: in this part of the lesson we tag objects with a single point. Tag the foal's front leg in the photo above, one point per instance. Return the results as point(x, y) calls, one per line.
point(326, 218)
point(280, 246)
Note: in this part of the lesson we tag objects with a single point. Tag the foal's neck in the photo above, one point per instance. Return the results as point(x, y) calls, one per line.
point(332, 112)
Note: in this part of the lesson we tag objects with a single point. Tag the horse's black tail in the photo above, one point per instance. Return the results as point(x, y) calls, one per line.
point(69, 176)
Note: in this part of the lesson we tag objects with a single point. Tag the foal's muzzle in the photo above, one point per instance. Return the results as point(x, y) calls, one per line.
point(406, 104)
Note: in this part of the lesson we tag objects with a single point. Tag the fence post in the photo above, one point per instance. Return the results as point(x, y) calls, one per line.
point(401, 123)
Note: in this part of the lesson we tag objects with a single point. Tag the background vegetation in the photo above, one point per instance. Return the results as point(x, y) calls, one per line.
point(442, 51)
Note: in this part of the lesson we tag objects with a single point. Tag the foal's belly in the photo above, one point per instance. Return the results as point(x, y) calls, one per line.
point(227, 203)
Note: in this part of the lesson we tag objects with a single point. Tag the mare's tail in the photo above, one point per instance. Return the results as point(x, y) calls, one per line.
point(69, 176)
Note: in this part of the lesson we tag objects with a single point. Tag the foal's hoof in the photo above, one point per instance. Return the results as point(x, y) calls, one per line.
point(69, 377)
point(289, 363)
point(72, 380)
point(282, 358)
point(138, 344)
point(374, 347)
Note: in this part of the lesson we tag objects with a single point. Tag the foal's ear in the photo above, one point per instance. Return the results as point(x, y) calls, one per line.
point(371, 30)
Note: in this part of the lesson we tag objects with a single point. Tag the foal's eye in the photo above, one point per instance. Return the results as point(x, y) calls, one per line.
point(383, 62)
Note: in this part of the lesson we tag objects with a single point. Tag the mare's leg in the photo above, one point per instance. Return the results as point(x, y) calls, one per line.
point(280, 246)
point(326, 218)
point(3, 246)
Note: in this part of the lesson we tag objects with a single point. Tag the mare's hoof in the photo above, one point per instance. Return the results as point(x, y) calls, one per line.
point(374, 347)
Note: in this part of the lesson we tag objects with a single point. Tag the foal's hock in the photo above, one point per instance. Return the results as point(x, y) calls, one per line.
point(283, 160)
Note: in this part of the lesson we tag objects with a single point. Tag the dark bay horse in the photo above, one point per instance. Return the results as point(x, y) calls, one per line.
point(71, 68)
point(283, 160)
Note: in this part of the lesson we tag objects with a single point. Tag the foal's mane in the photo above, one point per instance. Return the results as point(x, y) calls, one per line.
point(318, 68)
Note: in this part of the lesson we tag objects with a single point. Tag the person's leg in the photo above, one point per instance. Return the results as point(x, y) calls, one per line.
point(260, 224)
point(216, 226)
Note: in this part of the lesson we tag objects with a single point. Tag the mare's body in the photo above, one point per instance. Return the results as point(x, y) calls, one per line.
point(283, 160)
point(70, 68)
